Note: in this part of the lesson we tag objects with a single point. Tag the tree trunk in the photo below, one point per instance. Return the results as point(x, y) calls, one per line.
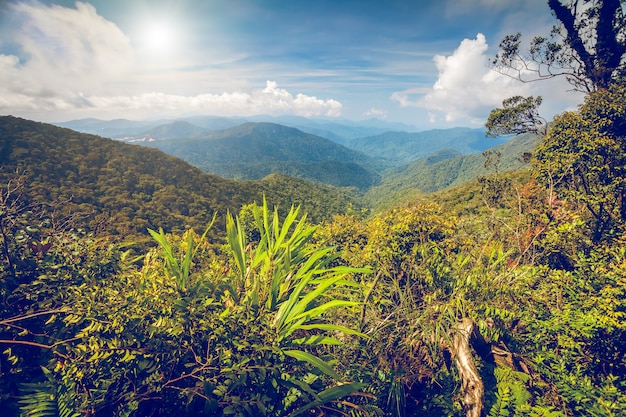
point(471, 383)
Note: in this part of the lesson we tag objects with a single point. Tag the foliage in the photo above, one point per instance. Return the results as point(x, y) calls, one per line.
point(114, 188)
point(587, 46)
point(574, 332)
point(46, 399)
point(518, 115)
point(583, 159)
point(186, 334)
point(179, 269)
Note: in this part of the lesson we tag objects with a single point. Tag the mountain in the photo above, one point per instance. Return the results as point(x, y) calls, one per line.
point(174, 130)
point(339, 131)
point(255, 150)
point(110, 128)
point(446, 168)
point(124, 188)
point(405, 147)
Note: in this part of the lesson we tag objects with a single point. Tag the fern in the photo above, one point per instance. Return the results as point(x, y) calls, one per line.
point(538, 411)
point(512, 394)
point(501, 408)
point(47, 399)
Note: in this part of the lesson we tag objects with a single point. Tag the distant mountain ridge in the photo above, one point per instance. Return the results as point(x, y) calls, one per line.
point(380, 140)
point(254, 150)
point(128, 188)
point(339, 131)
point(405, 147)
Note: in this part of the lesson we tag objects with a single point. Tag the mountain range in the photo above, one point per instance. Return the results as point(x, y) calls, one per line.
point(252, 150)
point(125, 188)
point(231, 166)
point(339, 131)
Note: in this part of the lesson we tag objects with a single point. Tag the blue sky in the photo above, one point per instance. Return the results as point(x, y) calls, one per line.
point(421, 62)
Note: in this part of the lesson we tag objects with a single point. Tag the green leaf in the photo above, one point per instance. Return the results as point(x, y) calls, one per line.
point(331, 327)
point(330, 394)
point(317, 340)
point(314, 361)
point(319, 310)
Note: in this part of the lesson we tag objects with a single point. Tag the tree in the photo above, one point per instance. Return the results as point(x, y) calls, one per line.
point(583, 157)
point(586, 46)
point(518, 115)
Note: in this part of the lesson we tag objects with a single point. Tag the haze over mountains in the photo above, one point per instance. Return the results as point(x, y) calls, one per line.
point(359, 156)
point(218, 170)
point(127, 188)
point(338, 131)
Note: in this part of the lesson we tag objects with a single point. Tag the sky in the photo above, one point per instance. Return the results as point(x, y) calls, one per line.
point(419, 62)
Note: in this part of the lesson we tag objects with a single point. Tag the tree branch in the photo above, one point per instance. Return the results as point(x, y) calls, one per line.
point(574, 40)
point(471, 383)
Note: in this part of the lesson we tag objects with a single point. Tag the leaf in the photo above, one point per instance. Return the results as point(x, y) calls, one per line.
point(331, 327)
point(303, 303)
point(319, 310)
point(314, 361)
point(317, 340)
point(330, 394)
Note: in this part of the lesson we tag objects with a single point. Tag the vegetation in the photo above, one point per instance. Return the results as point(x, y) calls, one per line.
point(413, 311)
point(397, 148)
point(255, 150)
point(582, 158)
point(446, 169)
point(122, 189)
point(505, 297)
point(238, 330)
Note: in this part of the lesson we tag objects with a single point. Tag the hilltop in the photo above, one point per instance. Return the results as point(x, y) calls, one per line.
point(254, 150)
point(127, 188)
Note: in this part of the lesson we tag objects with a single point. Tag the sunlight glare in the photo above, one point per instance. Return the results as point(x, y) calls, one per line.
point(158, 37)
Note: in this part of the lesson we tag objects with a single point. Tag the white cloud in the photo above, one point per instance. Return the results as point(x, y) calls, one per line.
point(270, 100)
point(374, 112)
point(72, 63)
point(466, 89)
point(65, 49)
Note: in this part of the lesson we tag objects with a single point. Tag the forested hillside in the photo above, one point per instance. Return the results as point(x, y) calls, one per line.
point(254, 150)
point(128, 188)
point(406, 147)
point(448, 168)
point(503, 297)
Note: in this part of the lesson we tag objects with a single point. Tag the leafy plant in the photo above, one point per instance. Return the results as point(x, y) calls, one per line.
point(179, 269)
point(283, 277)
point(48, 398)
point(243, 330)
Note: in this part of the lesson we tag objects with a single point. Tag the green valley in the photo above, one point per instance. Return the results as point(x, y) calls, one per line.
point(127, 188)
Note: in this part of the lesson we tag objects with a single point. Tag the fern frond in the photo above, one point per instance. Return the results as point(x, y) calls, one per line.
point(47, 399)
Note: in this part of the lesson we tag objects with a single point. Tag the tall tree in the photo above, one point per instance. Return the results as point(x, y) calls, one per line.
point(582, 154)
point(583, 157)
point(586, 46)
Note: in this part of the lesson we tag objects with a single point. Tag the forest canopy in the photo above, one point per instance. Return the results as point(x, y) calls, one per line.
point(503, 297)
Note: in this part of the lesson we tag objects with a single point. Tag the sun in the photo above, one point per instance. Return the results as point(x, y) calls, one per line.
point(158, 37)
